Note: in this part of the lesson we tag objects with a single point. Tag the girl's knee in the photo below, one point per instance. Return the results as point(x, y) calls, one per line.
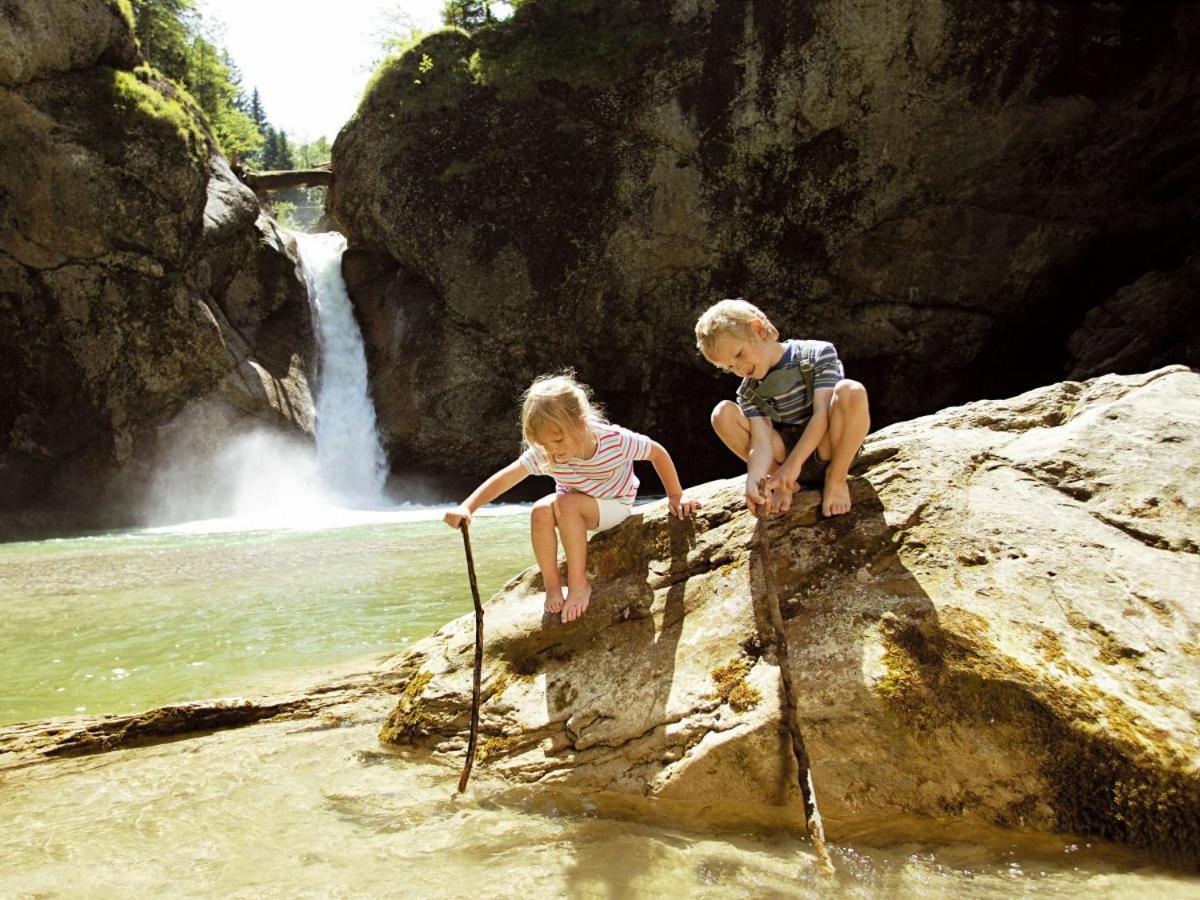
point(570, 505)
point(543, 513)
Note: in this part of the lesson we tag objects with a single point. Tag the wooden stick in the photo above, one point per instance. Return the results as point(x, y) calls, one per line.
point(466, 772)
point(812, 817)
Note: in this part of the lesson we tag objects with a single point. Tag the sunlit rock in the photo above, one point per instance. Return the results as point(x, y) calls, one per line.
point(1004, 629)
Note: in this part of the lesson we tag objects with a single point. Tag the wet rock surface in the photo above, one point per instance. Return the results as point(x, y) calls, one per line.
point(943, 190)
point(137, 275)
point(1005, 628)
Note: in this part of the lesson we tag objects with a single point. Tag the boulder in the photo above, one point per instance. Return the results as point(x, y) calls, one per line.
point(1004, 629)
point(943, 190)
point(137, 276)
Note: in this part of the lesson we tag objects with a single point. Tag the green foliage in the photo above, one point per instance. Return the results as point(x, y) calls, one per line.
point(432, 74)
point(469, 15)
point(133, 95)
point(170, 34)
point(581, 43)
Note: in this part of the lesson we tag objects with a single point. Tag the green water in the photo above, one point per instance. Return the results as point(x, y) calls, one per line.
point(125, 622)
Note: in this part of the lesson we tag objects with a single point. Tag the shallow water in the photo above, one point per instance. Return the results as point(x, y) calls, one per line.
point(317, 807)
point(291, 809)
point(124, 622)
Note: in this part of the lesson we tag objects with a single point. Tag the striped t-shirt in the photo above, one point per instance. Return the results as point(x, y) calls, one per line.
point(607, 475)
point(793, 405)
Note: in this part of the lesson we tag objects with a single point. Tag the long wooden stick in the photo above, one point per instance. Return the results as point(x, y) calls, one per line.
point(466, 772)
point(812, 817)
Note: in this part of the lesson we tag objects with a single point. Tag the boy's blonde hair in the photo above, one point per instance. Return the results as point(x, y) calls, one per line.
point(559, 400)
point(730, 317)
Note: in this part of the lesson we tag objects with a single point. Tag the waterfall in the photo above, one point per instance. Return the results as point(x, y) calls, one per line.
point(262, 478)
point(350, 461)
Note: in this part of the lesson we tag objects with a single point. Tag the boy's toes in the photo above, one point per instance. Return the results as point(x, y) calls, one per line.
point(554, 603)
point(835, 500)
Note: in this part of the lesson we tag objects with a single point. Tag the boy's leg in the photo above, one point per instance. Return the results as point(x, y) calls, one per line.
point(849, 422)
point(575, 514)
point(545, 549)
point(733, 428)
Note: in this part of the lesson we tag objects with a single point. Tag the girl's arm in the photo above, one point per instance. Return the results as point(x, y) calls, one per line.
point(499, 483)
point(680, 506)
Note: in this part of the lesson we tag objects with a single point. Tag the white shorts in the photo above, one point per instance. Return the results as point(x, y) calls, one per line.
point(612, 512)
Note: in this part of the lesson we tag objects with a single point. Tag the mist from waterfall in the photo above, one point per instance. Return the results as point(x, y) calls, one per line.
point(261, 478)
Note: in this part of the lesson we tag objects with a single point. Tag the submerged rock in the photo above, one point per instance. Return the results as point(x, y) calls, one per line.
point(944, 190)
point(1005, 628)
point(137, 274)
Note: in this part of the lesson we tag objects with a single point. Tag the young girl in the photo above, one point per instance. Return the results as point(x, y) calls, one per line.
point(591, 462)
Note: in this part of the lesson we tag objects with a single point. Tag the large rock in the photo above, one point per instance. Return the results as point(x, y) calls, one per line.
point(138, 276)
point(1005, 628)
point(943, 190)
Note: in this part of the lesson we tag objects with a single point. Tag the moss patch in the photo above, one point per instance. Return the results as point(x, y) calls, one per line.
point(496, 746)
point(732, 688)
point(409, 720)
point(1103, 777)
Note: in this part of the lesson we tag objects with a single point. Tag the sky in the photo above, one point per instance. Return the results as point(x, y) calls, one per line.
point(308, 59)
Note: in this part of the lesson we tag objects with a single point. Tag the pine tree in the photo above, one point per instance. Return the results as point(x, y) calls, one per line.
point(467, 14)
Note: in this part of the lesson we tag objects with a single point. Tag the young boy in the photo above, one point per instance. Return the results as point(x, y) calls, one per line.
point(796, 420)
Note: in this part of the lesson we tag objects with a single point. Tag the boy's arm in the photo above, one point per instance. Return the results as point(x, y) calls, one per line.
point(680, 506)
point(762, 454)
point(498, 483)
point(813, 432)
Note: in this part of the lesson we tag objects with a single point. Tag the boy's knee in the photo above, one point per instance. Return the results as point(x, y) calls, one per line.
point(850, 392)
point(724, 413)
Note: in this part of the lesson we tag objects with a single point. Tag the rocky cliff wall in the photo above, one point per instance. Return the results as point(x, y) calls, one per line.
point(137, 274)
point(945, 190)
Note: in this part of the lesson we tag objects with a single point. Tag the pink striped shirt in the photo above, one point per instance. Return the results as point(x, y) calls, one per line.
point(607, 475)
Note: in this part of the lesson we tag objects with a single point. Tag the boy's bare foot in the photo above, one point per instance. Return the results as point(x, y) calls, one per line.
point(554, 599)
point(577, 602)
point(835, 499)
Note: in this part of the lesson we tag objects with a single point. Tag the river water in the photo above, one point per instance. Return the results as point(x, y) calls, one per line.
point(128, 621)
point(308, 569)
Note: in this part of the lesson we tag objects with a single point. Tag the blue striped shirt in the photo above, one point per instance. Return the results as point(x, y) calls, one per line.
point(795, 403)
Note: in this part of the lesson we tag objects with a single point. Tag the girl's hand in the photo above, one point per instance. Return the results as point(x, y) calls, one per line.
point(681, 507)
point(457, 516)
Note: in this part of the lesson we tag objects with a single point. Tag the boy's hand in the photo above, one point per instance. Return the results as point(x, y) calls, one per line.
point(754, 497)
point(681, 507)
point(782, 486)
point(457, 516)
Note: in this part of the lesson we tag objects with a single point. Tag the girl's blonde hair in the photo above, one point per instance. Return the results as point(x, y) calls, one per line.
point(730, 317)
point(559, 400)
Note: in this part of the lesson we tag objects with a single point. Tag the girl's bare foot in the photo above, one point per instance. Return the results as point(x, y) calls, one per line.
point(577, 602)
point(835, 499)
point(554, 599)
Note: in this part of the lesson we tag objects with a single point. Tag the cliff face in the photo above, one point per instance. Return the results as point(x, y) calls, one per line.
point(1005, 628)
point(137, 275)
point(943, 190)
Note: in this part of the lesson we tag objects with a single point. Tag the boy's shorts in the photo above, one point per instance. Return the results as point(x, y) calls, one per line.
point(812, 473)
point(612, 512)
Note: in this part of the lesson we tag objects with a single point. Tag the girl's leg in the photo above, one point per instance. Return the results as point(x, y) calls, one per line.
point(849, 422)
point(545, 549)
point(576, 513)
point(733, 428)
